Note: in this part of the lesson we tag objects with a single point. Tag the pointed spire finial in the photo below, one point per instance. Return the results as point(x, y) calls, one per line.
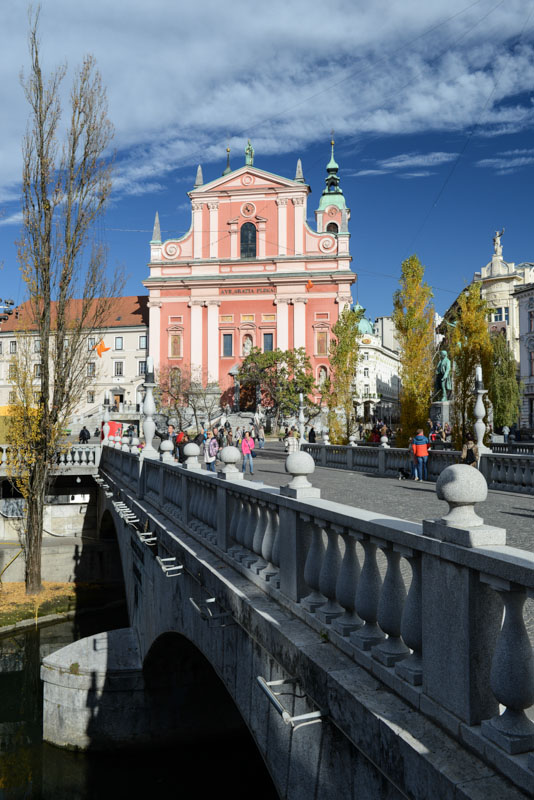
point(199, 179)
point(299, 176)
point(156, 233)
point(228, 168)
point(249, 155)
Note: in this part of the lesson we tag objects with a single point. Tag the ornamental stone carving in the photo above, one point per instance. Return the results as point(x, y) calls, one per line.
point(531, 302)
point(298, 201)
point(171, 250)
point(196, 303)
point(213, 206)
point(196, 206)
point(247, 180)
point(282, 202)
point(530, 343)
point(281, 300)
point(326, 244)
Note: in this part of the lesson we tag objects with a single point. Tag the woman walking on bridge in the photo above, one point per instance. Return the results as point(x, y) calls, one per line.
point(247, 447)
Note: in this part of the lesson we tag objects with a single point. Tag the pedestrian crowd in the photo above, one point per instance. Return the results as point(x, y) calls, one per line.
point(212, 440)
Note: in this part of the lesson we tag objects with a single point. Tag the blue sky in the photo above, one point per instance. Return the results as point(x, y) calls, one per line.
point(432, 107)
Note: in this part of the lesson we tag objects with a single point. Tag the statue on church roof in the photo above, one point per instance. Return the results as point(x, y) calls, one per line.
point(249, 155)
point(497, 246)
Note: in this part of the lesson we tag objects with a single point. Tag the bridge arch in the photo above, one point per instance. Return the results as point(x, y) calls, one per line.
point(107, 529)
point(190, 705)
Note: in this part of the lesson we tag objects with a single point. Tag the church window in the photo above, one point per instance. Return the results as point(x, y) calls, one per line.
point(227, 348)
point(175, 345)
point(267, 342)
point(321, 343)
point(332, 227)
point(248, 240)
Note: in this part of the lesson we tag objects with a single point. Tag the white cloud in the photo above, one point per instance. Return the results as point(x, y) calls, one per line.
point(12, 219)
point(399, 162)
point(182, 77)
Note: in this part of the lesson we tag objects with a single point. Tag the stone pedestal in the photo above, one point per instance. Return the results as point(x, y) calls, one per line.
point(440, 412)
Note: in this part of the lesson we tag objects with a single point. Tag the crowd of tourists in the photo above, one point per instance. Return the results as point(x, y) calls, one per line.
point(212, 440)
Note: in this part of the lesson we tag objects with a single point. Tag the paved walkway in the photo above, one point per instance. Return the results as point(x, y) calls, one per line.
point(404, 499)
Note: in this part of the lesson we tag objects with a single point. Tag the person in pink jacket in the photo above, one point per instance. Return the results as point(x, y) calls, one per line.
point(247, 446)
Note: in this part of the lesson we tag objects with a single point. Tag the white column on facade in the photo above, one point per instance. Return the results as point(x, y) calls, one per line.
point(196, 338)
point(214, 229)
point(299, 321)
point(233, 238)
point(154, 329)
point(261, 236)
point(282, 226)
point(213, 340)
point(282, 323)
point(298, 202)
point(197, 230)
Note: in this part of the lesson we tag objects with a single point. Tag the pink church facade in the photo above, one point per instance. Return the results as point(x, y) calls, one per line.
point(249, 272)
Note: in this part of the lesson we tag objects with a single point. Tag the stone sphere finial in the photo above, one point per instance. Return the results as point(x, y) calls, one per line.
point(134, 447)
point(326, 439)
point(230, 455)
point(166, 449)
point(300, 464)
point(461, 486)
point(384, 441)
point(191, 452)
point(352, 440)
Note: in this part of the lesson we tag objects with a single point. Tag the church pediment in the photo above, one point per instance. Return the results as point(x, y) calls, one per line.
point(246, 178)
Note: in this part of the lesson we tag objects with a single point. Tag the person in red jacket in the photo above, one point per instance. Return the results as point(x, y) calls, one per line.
point(420, 450)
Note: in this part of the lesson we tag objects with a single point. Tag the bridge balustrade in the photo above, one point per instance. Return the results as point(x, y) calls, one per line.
point(420, 611)
point(503, 471)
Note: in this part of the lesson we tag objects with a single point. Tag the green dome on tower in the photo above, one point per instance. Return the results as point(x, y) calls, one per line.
point(332, 194)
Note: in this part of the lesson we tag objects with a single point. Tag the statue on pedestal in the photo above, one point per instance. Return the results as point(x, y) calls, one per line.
point(497, 246)
point(443, 382)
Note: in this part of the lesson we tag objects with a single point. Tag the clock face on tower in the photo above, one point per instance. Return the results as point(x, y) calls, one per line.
point(248, 209)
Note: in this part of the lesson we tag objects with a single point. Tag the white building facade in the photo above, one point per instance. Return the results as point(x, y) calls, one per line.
point(500, 279)
point(120, 369)
point(524, 296)
point(377, 383)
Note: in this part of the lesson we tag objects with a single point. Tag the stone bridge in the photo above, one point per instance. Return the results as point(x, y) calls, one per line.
point(367, 655)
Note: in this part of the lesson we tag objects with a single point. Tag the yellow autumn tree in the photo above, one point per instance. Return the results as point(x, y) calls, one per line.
point(469, 345)
point(413, 316)
point(344, 357)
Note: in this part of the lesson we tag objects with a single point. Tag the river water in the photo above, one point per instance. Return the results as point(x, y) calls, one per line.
point(30, 768)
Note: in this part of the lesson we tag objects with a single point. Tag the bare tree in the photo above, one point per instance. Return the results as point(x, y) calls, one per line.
point(66, 186)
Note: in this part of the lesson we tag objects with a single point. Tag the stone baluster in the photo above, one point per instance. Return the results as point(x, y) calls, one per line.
point(329, 574)
point(149, 409)
point(390, 607)
point(259, 535)
point(238, 551)
point(269, 543)
point(68, 458)
point(512, 674)
point(234, 518)
point(275, 558)
point(367, 597)
point(312, 567)
point(411, 668)
point(347, 582)
point(106, 425)
point(254, 520)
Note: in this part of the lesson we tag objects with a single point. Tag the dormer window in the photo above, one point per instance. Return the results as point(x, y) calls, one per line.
point(248, 240)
